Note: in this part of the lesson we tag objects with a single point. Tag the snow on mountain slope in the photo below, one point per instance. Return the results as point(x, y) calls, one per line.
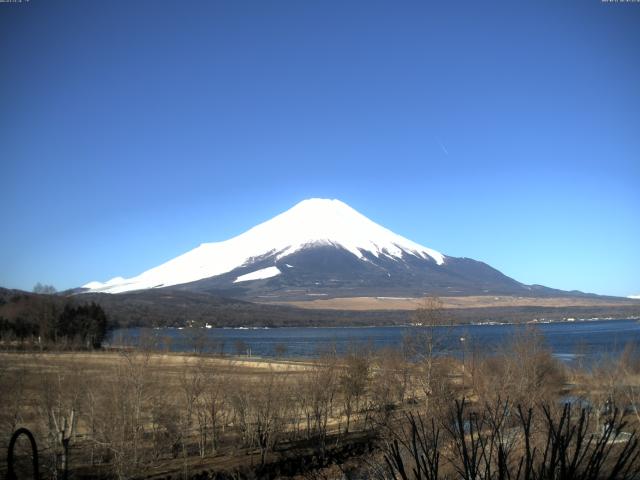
point(259, 274)
point(309, 223)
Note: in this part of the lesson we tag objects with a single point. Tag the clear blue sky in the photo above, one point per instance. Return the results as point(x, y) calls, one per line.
point(508, 132)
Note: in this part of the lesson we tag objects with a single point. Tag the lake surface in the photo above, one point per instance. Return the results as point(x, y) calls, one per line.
point(569, 341)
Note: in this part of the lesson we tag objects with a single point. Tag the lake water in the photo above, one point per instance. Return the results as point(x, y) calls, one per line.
point(588, 340)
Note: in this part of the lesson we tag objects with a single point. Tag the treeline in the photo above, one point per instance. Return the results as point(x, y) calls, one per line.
point(177, 308)
point(28, 320)
point(129, 412)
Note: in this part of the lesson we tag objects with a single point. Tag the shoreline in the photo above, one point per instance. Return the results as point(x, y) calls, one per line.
point(399, 325)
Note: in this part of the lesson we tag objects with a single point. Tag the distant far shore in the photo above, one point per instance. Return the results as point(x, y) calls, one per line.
point(475, 301)
point(176, 308)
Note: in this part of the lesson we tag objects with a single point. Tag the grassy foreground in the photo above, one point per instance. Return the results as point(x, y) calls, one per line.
point(141, 413)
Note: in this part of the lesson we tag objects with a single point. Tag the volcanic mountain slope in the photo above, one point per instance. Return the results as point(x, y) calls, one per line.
point(318, 249)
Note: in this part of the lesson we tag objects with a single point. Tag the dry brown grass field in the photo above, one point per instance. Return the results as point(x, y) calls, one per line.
point(149, 414)
point(409, 303)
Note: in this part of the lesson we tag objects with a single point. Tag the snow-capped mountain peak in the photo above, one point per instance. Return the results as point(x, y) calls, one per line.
point(312, 222)
point(321, 221)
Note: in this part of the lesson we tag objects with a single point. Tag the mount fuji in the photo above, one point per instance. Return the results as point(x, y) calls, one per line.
point(320, 249)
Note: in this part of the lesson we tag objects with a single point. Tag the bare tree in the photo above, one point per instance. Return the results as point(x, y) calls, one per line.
point(198, 339)
point(216, 390)
point(65, 425)
point(269, 410)
point(319, 388)
point(280, 350)
point(210, 388)
point(500, 442)
point(524, 369)
point(59, 401)
point(390, 383)
point(44, 289)
point(12, 398)
point(425, 347)
point(353, 381)
point(123, 410)
point(191, 390)
point(241, 347)
point(629, 385)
